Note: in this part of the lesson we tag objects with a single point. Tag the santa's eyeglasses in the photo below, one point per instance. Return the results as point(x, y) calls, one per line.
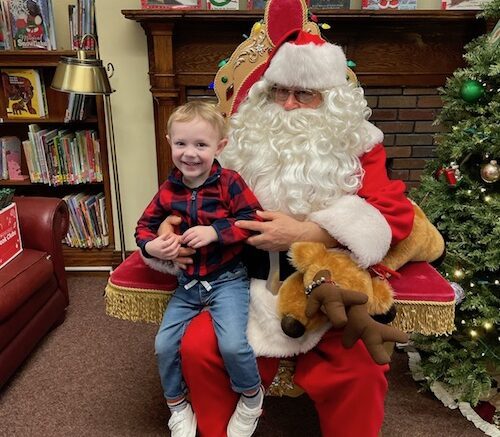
point(280, 94)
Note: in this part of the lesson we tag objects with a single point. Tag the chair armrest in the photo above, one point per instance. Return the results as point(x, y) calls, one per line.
point(43, 223)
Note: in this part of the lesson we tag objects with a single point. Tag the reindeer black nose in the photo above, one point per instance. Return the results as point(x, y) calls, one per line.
point(292, 327)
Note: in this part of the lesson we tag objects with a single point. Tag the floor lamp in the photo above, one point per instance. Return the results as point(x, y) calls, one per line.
point(86, 75)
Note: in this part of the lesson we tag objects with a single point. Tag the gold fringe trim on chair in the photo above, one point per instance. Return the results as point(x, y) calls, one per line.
point(135, 304)
point(428, 318)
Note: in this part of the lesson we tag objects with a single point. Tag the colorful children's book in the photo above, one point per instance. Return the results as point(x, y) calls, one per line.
point(5, 36)
point(24, 93)
point(329, 4)
point(31, 24)
point(11, 152)
point(223, 4)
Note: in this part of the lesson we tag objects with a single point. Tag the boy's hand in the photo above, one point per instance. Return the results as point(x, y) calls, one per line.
point(165, 246)
point(199, 236)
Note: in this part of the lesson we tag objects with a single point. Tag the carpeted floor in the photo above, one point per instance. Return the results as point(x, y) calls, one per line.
point(96, 376)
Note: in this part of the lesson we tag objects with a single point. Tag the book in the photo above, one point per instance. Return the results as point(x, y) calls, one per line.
point(10, 238)
point(11, 158)
point(31, 24)
point(171, 4)
point(329, 4)
point(5, 38)
point(34, 135)
point(256, 4)
point(223, 4)
point(24, 93)
point(389, 4)
point(466, 4)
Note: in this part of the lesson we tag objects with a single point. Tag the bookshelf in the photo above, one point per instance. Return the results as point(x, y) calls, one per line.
point(45, 62)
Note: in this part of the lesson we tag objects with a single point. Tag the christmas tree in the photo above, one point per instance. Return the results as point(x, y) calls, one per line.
point(460, 194)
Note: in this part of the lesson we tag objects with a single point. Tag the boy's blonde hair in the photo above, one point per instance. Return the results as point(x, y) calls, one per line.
point(198, 108)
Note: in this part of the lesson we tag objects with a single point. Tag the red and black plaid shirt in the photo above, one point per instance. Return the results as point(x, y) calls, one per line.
point(222, 199)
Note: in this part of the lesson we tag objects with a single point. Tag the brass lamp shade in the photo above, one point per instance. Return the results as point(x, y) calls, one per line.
point(81, 75)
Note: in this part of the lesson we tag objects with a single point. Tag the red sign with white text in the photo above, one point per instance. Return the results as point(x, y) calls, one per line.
point(10, 238)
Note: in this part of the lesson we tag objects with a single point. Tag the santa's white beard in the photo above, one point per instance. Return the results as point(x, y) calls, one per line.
point(295, 161)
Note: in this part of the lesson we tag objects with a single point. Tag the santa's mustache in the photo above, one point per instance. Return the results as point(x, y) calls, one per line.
point(293, 160)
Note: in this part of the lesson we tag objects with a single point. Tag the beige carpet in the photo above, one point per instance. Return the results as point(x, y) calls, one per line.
point(96, 376)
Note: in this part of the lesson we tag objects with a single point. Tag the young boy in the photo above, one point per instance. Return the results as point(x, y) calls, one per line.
point(209, 199)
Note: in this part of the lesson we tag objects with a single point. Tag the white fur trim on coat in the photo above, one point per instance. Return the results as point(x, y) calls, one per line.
point(264, 326)
point(312, 66)
point(163, 266)
point(353, 222)
point(376, 136)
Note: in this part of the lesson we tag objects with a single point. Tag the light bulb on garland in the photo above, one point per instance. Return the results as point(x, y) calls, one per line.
point(490, 172)
point(471, 91)
point(256, 28)
point(351, 64)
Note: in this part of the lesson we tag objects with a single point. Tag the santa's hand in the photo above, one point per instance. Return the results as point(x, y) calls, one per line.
point(169, 224)
point(360, 325)
point(276, 233)
point(333, 300)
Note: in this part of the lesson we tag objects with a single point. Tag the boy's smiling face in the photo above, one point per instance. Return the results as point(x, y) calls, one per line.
point(195, 144)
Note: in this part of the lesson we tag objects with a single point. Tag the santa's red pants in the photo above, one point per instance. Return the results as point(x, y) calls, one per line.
point(347, 387)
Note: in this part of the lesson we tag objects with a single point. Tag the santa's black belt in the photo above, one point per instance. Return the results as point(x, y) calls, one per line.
point(258, 263)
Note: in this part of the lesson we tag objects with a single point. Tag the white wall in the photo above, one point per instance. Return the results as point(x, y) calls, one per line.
point(123, 43)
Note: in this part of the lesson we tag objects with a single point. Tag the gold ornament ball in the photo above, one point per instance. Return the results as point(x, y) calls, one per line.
point(490, 172)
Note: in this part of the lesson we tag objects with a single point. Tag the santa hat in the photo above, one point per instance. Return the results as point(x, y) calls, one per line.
point(306, 60)
point(285, 48)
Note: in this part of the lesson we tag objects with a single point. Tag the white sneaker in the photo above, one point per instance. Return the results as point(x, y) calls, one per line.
point(244, 420)
point(183, 423)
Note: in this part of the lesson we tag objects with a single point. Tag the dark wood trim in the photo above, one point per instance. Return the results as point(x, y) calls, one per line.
point(391, 49)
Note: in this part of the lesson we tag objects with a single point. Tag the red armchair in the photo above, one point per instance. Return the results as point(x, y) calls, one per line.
point(33, 287)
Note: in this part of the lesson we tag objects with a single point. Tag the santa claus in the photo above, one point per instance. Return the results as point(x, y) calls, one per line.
point(302, 142)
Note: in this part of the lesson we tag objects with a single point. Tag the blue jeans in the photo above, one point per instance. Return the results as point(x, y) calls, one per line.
point(227, 300)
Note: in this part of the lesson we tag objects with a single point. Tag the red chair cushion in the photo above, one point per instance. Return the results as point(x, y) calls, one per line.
point(133, 273)
point(420, 281)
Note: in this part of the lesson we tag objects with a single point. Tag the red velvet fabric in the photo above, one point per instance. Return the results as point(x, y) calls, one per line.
point(133, 273)
point(420, 281)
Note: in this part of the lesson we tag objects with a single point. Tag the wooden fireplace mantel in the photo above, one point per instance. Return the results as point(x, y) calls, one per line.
point(391, 48)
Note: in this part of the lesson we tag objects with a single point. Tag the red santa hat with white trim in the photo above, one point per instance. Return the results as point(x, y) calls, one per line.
point(307, 61)
point(287, 49)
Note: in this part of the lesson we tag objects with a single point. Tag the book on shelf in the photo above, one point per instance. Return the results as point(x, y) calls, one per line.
point(24, 93)
point(10, 151)
point(30, 24)
point(81, 18)
point(62, 157)
point(223, 4)
point(87, 221)
point(389, 4)
point(5, 39)
point(329, 4)
point(79, 107)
